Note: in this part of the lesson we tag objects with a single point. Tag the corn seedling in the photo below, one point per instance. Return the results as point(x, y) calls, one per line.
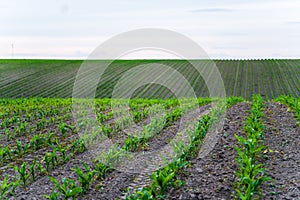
point(53, 157)
point(22, 173)
point(101, 170)
point(160, 180)
point(5, 153)
point(85, 178)
point(143, 194)
point(67, 188)
point(47, 159)
point(41, 169)
point(53, 196)
point(32, 169)
point(251, 173)
point(7, 189)
point(113, 156)
point(63, 153)
point(37, 141)
point(19, 149)
point(132, 143)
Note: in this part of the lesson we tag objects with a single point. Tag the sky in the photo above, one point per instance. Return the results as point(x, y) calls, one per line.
point(65, 29)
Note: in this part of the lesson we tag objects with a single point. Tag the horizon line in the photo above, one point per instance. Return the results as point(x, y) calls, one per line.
point(128, 59)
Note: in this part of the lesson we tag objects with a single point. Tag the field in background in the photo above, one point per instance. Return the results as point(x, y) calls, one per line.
point(55, 78)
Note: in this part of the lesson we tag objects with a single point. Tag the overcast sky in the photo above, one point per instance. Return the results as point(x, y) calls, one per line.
point(223, 28)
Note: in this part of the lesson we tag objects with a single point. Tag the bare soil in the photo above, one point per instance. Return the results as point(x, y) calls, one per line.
point(212, 177)
point(282, 159)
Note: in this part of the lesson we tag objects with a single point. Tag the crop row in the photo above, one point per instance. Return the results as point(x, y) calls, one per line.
point(271, 78)
point(162, 179)
point(251, 173)
point(67, 187)
point(292, 103)
point(60, 146)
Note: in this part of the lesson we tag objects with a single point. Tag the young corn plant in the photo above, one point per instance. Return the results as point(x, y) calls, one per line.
point(63, 128)
point(67, 188)
point(7, 189)
point(113, 156)
point(54, 157)
point(78, 146)
point(137, 116)
point(9, 135)
point(53, 196)
point(106, 129)
point(251, 174)
point(62, 150)
point(85, 178)
point(179, 148)
point(132, 143)
point(41, 169)
point(23, 175)
point(292, 103)
point(143, 194)
point(33, 170)
point(23, 128)
point(160, 181)
point(37, 141)
point(47, 159)
point(101, 170)
point(6, 154)
point(40, 125)
point(50, 139)
point(19, 149)
point(74, 145)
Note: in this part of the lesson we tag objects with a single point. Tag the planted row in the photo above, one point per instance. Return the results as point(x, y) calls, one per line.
point(292, 103)
point(167, 177)
point(251, 173)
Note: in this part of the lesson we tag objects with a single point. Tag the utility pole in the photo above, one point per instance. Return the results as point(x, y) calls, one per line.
point(12, 50)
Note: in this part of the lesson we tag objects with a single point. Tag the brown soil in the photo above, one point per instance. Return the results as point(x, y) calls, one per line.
point(212, 177)
point(282, 159)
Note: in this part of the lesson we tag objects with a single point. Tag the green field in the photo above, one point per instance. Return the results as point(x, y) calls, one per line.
point(55, 78)
point(49, 140)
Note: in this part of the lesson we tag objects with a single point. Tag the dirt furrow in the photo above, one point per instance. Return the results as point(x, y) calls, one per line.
point(115, 180)
point(135, 172)
point(282, 159)
point(212, 177)
point(159, 143)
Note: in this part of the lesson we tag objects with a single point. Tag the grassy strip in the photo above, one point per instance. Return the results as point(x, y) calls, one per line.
point(251, 174)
